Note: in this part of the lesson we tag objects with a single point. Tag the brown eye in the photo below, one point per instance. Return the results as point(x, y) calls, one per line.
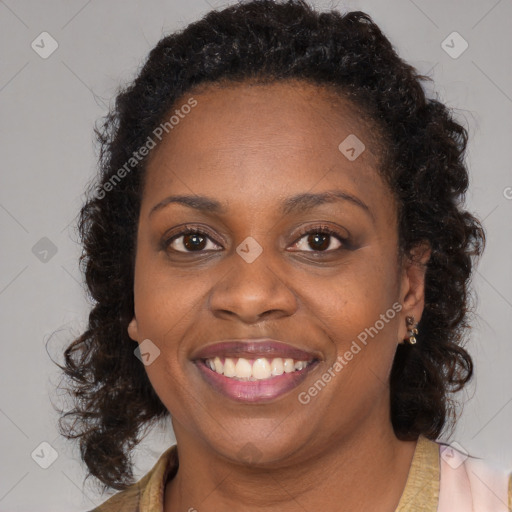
point(319, 241)
point(191, 241)
point(194, 242)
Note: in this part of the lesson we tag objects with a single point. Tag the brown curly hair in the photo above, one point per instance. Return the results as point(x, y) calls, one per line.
point(113, 400)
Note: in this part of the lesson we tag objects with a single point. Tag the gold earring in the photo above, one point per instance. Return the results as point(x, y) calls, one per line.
point(412, 329)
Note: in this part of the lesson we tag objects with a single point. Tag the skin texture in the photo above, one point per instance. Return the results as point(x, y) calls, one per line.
point(251, 147)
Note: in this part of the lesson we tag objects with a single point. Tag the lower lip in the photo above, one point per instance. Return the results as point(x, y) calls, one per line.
point(264, 390)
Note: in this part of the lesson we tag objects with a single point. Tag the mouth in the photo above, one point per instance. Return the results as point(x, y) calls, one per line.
point(254, 370)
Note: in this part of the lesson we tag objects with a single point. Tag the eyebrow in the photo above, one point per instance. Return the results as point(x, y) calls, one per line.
point(293, 204)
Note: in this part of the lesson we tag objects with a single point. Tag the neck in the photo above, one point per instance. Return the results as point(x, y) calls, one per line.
point(337, 479)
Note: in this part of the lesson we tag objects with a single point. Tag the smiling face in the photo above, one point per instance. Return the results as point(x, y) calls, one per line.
point(280, 236)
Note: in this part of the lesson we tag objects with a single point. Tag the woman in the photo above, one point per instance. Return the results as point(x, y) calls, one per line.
point(280, 262)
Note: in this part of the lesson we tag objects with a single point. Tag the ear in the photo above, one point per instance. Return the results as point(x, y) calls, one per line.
point(133, 329)
point(412, 290)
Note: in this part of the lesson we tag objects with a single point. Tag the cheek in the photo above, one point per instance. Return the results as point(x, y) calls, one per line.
point(358, 292)
point(165, 307)
point(358, 309)
point(166, 299)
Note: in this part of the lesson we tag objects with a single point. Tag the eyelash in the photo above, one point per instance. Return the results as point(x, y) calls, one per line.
point(321, 229)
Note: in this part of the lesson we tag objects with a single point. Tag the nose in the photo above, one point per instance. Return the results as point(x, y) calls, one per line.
point(252, 292)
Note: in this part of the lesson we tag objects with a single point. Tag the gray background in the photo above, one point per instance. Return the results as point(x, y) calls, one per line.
point(48, 108)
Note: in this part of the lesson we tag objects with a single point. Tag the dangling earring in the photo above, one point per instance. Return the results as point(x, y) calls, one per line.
point(412, 329)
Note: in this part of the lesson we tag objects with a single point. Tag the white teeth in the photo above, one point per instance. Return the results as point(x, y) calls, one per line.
point(261, 369)
point(277, 366)
point(254, 369)
point(219, 367)
point(289, 365)
point(229, 367)
point(243, 368)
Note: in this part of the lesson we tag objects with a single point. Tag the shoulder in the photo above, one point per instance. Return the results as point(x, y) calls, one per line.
point(127, 500)
point(132, 499)
point(470, 483)
point(491, 485)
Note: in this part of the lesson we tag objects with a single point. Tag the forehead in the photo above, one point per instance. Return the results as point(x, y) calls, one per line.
point(264, 141)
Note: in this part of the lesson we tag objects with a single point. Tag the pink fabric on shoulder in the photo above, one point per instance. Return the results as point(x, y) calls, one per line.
point(470, 485)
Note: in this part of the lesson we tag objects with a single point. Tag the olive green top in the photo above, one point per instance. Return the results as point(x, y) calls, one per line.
point(421, 492)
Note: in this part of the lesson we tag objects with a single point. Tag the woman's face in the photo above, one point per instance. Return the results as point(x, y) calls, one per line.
point(272, 331)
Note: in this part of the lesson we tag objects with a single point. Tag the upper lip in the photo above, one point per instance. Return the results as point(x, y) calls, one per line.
point(253, 348)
